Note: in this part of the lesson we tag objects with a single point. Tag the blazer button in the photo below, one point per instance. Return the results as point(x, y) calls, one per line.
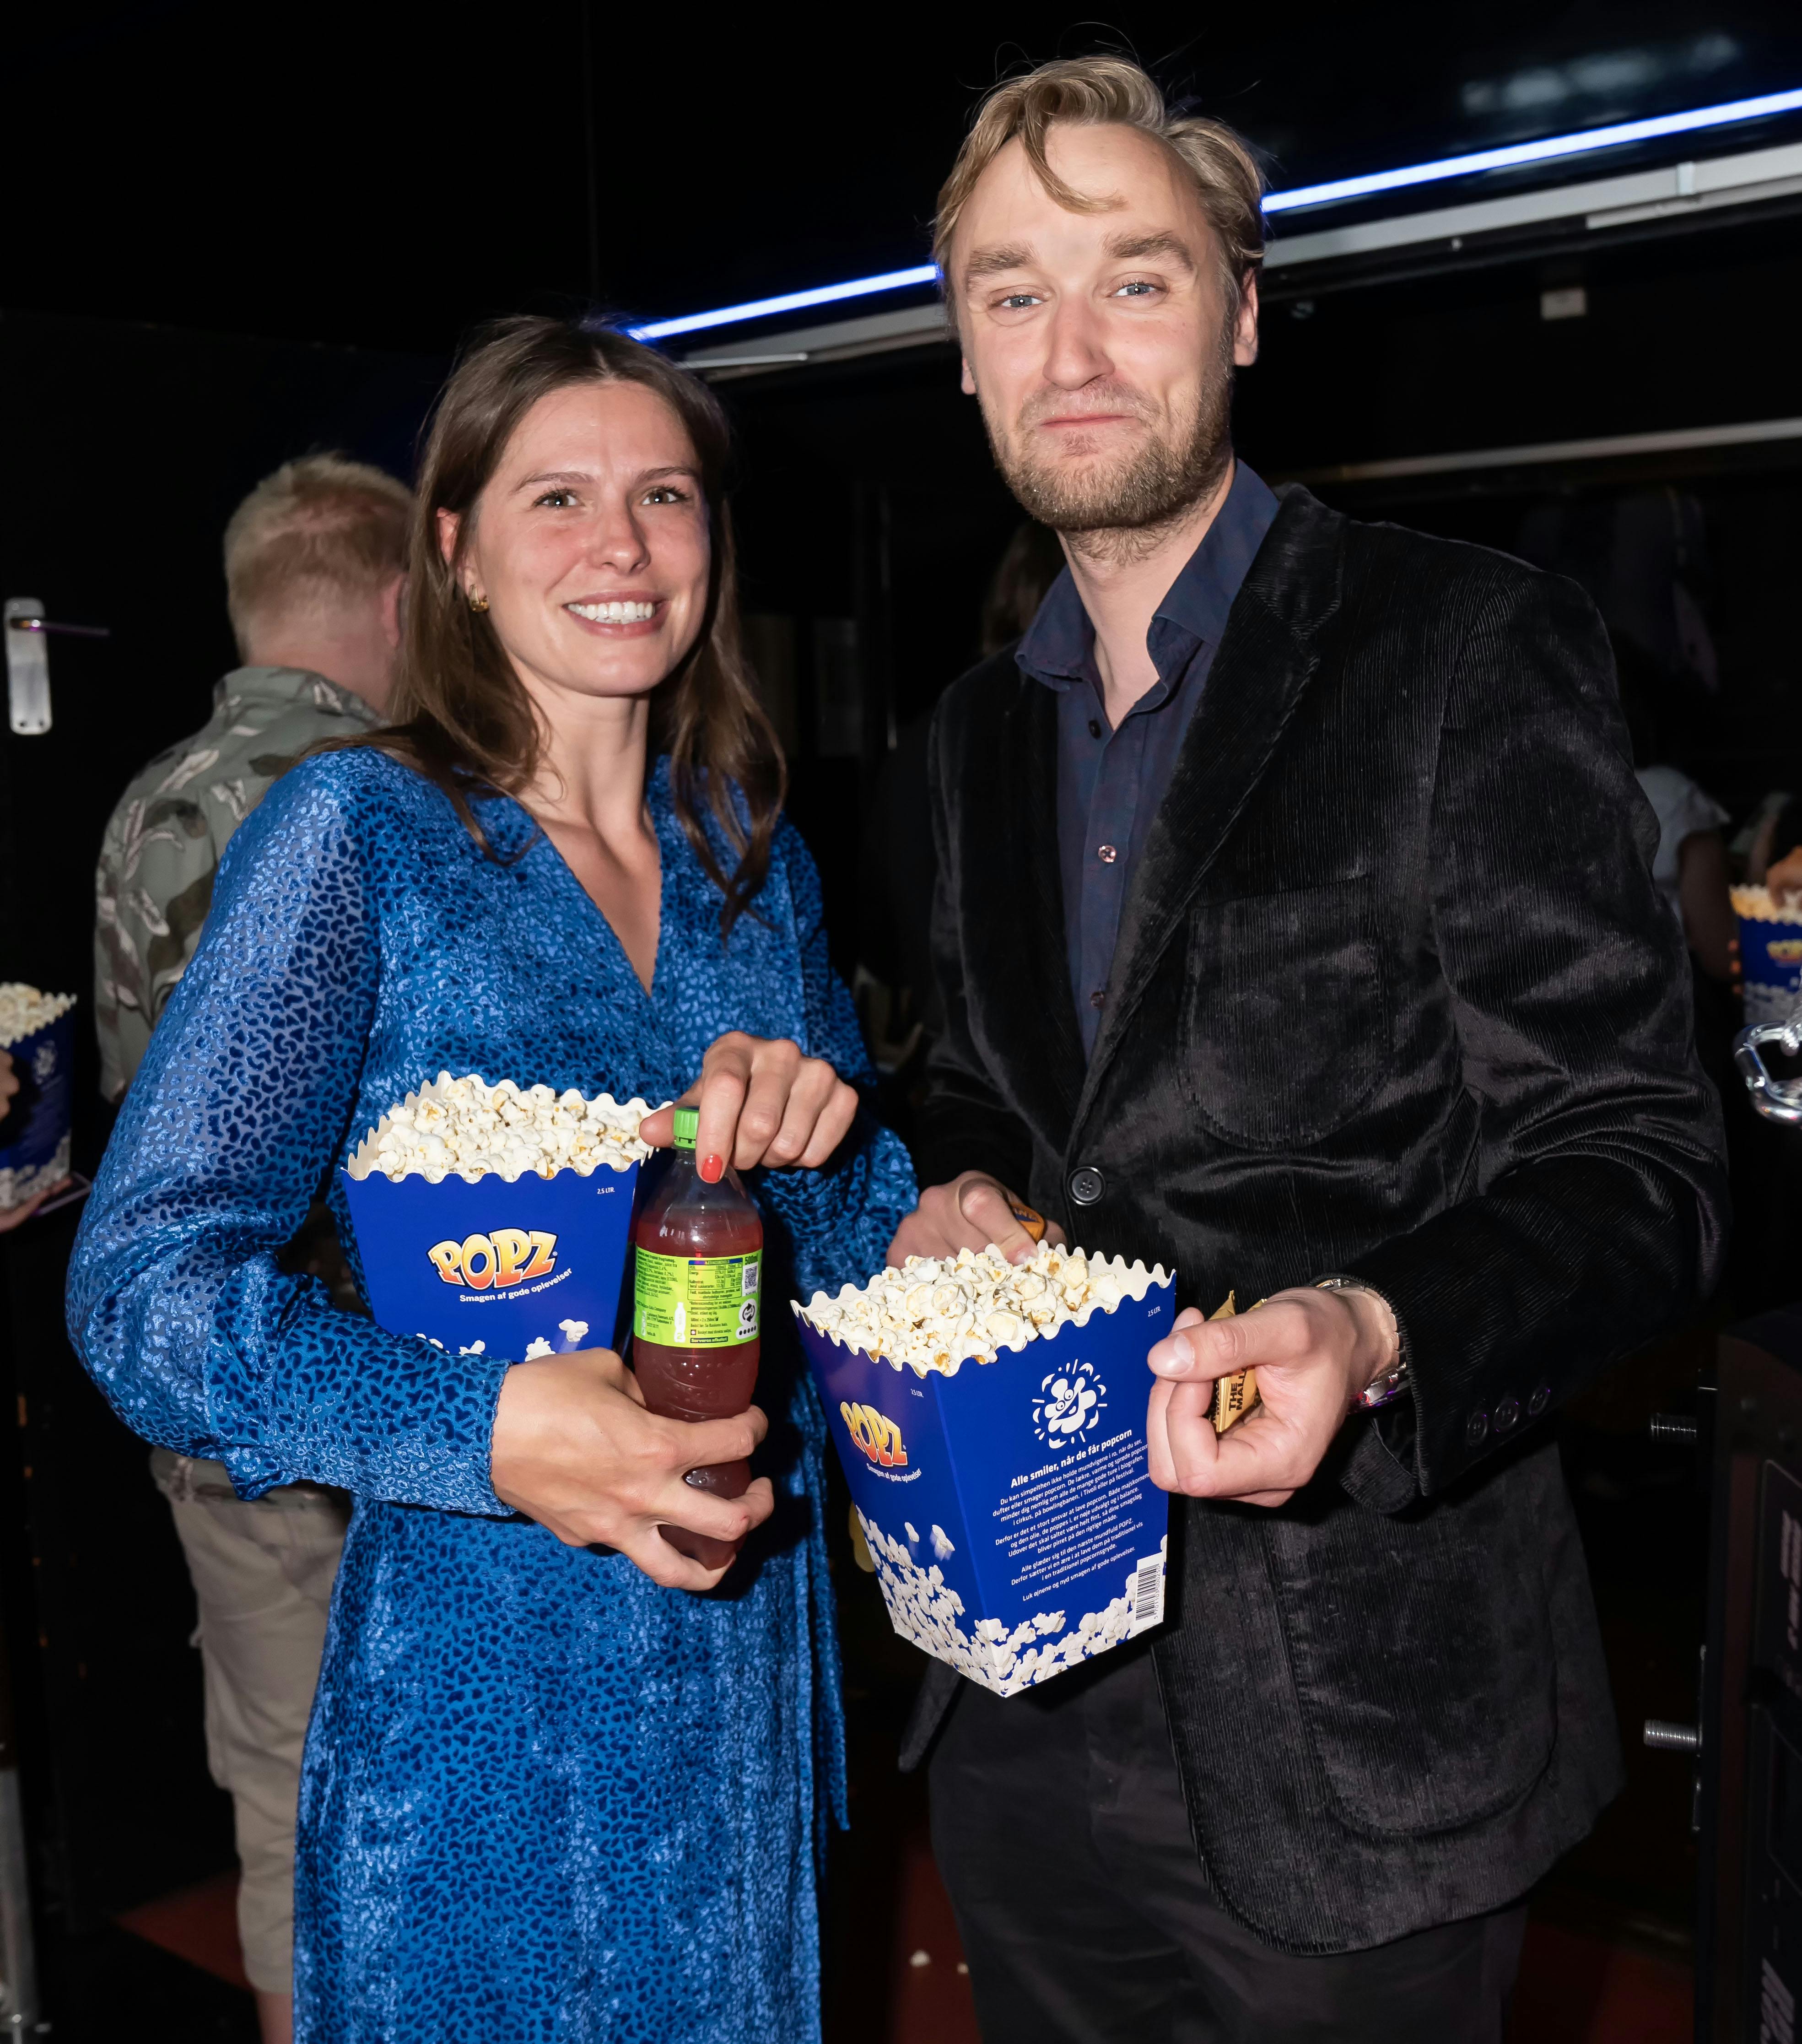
point(1507, 1413)
point(1475, 1427)
point(1086, 1185)
point(1540, 1400)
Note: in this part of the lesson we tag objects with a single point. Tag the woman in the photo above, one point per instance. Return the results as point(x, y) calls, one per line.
point(549, 1791)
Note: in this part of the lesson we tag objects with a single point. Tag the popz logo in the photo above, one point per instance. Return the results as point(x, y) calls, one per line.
point(875, 1434)
point(1069, 1403)
point(507, 1257)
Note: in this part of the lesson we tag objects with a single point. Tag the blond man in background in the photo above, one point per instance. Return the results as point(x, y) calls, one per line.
point(315, 563)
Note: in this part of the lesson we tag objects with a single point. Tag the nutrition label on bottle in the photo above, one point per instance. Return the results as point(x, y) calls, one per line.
point(697, 1301)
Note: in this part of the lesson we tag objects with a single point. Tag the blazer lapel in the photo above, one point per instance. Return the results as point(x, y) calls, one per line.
point(1267, 658)
point(1040, 953)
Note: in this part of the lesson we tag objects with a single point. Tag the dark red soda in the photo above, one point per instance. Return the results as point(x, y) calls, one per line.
point(698, 1252)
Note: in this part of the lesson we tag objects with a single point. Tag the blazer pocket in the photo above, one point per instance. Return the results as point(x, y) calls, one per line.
point(1422, 1653)
point(1285, 1016)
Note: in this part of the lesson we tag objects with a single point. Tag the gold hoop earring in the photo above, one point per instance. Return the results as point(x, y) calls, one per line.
point(478, 603)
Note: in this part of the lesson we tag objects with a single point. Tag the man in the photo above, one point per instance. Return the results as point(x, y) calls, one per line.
point(315, 571)
point(1294, 927)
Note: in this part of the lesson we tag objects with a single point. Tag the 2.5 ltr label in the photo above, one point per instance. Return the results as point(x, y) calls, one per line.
point(697, 1301)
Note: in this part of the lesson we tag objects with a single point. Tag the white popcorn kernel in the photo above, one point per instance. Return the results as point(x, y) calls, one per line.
point(538, 1346)
point(936, 1316)
point(464, 1125)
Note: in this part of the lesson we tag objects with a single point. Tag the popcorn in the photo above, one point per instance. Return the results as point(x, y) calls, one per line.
point(1756, 905)
point(473, 1130)
point(24, 1010)
point(937, 1313)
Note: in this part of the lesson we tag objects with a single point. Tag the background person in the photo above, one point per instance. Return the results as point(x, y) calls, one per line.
point(315, 563)
point(547, 1789)
point(315, 571)
point(1357, 978)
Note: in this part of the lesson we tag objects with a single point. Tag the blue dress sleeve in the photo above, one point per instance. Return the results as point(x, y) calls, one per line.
point(841, 1220)
point(239, 1111)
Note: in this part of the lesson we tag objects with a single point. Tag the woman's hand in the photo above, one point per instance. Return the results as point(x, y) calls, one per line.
point(762, 1102)
point(574, 1449)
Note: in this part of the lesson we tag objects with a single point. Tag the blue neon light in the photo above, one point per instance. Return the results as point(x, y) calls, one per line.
point(1508, 158)
point(790, 301)
point(1536, 153)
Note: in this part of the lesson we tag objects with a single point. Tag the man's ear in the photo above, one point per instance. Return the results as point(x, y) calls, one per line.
point(1245, 327)
point(392, 598)
point(969, 383)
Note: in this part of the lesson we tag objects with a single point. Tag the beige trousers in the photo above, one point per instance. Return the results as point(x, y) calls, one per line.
point(262, 1575)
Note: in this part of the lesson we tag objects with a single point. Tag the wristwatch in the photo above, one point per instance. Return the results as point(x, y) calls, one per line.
point(1381, 1390)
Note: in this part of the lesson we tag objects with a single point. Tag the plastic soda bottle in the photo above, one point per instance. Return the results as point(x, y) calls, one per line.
point(698, 1278)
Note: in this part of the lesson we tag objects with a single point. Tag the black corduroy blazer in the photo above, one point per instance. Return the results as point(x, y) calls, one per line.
point(1394, 995)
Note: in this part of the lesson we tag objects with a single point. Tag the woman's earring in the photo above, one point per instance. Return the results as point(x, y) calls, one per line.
point(478, 603)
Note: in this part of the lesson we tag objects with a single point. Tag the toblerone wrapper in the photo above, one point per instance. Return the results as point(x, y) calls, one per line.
point(1234, 1396)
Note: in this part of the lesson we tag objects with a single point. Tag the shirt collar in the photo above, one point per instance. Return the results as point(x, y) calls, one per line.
point(285, 685)
point(1058, 646)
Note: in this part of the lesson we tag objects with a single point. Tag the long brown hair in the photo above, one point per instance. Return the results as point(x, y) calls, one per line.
point(460, 716)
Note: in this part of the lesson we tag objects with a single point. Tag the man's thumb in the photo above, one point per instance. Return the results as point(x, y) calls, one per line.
point(1000, 1219)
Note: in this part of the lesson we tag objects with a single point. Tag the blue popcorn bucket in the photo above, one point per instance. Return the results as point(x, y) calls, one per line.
point(34, 1136)
point(1770, 957)
point(505, 1270)
point(1015, 1528)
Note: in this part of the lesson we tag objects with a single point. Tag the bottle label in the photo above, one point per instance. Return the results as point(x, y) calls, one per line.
point(697, 1301)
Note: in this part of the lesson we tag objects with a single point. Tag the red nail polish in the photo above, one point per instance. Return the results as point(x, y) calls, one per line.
point(712, 1169)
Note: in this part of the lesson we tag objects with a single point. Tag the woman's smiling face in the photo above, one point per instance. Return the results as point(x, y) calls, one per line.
point(591, 543)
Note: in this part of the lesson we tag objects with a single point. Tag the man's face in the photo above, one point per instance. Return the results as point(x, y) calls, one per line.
point(1099, 344)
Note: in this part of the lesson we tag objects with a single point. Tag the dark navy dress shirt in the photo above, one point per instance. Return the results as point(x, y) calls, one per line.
point(1110, 782)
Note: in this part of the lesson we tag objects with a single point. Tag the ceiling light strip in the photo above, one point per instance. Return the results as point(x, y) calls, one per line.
point(1518, 153)
point(1512, 156)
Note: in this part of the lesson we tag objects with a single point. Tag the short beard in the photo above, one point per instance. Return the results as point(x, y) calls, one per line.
point(1124, 513)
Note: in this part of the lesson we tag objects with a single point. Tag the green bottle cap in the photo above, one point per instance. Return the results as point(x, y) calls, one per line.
point(688, 1127)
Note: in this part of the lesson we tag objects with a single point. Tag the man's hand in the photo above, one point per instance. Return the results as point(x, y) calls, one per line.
point(574, 1449)
point(973, 1211)
point(1314, 1353)
point(762, 1102)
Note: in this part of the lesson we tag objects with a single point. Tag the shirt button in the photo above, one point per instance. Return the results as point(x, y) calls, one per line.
point(1107, 853)
point(1085, 1185)
point(1507, 1413)
point(1540, 1400)
point(1097, 998)
point(1094, 728)
point(1475, 1427)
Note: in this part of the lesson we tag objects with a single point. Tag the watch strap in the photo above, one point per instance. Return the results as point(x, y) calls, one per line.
point(1389, 1384)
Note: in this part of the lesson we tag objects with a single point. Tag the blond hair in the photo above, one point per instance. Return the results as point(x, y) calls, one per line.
point(320, 527)
point(1088, 91)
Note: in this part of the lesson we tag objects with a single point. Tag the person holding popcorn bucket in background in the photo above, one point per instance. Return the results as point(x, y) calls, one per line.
point(551, 1786)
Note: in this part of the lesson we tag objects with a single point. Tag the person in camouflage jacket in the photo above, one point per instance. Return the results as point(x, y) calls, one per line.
point(154, 884)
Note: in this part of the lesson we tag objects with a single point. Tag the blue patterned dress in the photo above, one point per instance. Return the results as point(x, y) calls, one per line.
point(542, 1798)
